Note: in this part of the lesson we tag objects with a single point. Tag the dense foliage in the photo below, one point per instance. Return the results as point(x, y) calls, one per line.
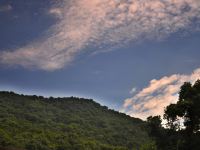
point(38, 123)
point(183, 121)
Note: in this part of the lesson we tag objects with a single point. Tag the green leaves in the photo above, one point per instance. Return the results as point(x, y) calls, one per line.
point(38, 123)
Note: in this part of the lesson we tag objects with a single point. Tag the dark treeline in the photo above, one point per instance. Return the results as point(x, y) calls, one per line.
point(182, 130)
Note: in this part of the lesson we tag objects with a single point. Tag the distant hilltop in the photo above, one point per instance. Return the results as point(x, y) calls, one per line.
point(71, 123)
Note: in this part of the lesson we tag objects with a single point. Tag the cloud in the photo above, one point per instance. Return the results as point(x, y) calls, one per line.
point(57, 12)
point(152, 99)
point(133, 90)
point(5, 8)
point(83, 23)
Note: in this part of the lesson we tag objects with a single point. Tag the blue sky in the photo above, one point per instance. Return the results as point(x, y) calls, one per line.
point(48, 48)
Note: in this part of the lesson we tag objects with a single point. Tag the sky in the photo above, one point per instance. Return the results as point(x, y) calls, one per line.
point(131, 55)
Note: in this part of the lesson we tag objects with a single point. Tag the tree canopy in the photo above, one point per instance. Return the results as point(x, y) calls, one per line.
point(187, 108)
point(183, 121)
point(38, 123)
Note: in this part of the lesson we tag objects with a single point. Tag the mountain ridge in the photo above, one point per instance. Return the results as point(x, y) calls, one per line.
point(39, 123)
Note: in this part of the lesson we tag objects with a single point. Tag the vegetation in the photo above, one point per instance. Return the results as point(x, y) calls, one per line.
point(38, 123)
point(183, 121)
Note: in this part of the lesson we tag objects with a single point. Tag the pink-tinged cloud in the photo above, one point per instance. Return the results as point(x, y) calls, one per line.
point(152, 99)
point(83, 23)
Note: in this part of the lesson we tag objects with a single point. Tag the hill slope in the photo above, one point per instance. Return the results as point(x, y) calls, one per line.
point(38, 123)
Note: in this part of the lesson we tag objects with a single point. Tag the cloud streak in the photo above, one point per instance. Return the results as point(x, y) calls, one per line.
point(5, 8)
point(83, 23)
point(152, 99)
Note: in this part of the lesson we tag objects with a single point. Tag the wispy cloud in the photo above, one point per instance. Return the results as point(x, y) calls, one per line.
point(5, 8)
point(83, 23)
point(152, 99)
point(133, 90)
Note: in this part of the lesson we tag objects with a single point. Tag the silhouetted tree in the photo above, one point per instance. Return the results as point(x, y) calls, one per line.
point(187, 109)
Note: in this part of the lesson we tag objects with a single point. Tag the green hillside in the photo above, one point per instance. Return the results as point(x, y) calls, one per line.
point(38, 123)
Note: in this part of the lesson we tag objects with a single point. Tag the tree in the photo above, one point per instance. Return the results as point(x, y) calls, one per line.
point(5, 139)
point(187, 108)
point(155, 125)
point(149, 146)
point(170, 115)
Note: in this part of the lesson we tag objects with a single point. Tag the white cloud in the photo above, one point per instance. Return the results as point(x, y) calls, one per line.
point(152, 99)
point(83, 23)
point(57, 12)
point(133, 90)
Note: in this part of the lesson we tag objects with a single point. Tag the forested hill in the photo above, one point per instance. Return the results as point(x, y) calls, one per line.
point(38, 123)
